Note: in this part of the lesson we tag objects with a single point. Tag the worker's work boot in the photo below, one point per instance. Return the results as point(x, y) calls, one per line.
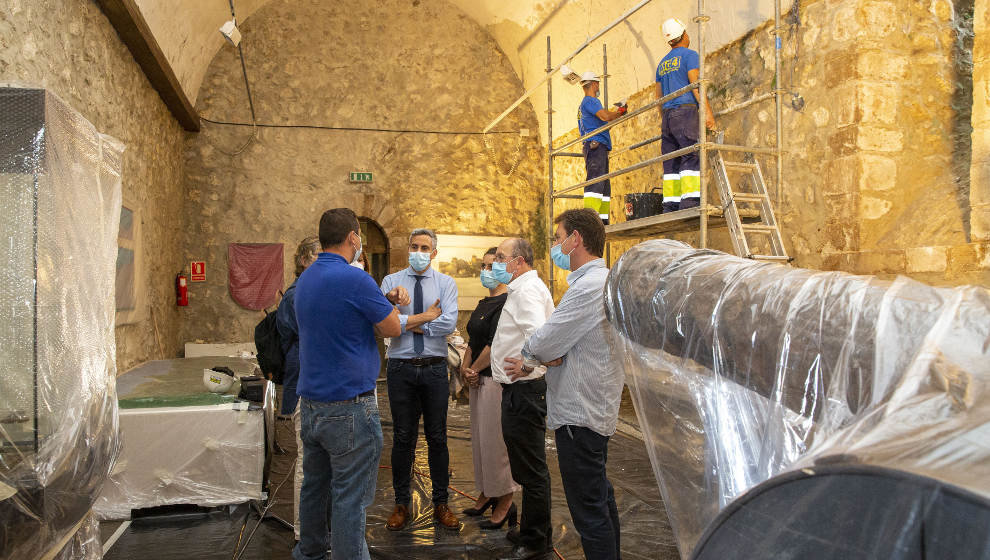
point(445, 518)
point(399, 518)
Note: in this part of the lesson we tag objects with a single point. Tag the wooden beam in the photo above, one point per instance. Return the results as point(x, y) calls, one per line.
point(126, 18)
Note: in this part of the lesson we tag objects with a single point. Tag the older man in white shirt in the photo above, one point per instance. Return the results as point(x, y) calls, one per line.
point(524, 406)
point(585, 381)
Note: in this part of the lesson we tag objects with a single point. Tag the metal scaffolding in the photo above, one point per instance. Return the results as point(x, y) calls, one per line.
point(681, 220)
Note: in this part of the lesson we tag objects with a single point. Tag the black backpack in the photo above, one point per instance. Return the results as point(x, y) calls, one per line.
point(268, 343)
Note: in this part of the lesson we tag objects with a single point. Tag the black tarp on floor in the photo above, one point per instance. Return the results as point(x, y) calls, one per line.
point(215, 534)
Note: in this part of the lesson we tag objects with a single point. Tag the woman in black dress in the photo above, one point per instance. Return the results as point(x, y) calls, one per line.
point(491, 462)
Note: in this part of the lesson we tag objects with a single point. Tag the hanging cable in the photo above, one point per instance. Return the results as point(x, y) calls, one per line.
point(797, 102)
point(360, 129)
point(247, 87)
point(494, 158)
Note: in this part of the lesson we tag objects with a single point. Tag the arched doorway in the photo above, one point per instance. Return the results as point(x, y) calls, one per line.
point(376, 247)
point(375, 244)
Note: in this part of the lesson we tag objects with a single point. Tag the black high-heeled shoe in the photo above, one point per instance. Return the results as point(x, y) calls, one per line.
point(474, 512)
point(510, 516)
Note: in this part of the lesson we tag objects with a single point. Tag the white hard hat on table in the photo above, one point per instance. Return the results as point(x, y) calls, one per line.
point(589, 76)
point(672, 29)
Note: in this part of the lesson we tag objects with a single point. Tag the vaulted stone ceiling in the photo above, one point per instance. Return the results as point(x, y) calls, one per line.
point(186, 31)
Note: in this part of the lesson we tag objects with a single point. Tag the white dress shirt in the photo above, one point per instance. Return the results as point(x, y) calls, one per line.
point(526, 308)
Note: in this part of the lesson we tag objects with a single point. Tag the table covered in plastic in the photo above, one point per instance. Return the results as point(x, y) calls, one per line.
point(182, 444)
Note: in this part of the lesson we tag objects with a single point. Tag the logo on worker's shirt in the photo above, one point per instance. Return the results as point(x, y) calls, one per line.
point(670, 65)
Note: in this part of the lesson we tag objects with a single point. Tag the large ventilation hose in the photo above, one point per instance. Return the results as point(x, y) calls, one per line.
point(749, 377)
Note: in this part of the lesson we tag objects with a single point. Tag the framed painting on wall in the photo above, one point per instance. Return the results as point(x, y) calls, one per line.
point(459, 256)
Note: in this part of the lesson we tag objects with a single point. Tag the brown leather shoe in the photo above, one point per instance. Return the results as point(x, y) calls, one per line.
point(445, 517)
point(399, 518)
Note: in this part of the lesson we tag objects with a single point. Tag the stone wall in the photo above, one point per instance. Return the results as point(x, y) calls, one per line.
point(69, 47)
point(980, 173)
point(317, 64)
point(877, 169)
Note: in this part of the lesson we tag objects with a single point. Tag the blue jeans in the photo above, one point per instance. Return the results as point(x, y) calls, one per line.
point(582, 454)
point(415, 391)
point(342, 443)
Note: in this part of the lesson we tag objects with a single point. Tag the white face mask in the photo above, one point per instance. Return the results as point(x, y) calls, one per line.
point(357, 264)
point(357, 253)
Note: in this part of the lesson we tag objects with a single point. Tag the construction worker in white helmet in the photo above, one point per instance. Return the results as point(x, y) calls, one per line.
point(679, 127)
point(592, 115)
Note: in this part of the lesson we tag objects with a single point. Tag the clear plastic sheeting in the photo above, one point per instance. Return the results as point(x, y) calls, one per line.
point(60, 195)
point(85, 544)
point(742, 371)
point(217, 534)
point(183, 444)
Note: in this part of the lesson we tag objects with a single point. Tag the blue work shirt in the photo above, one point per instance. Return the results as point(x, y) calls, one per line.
point(288, 331)
point(435, 286)
point(672, 75)
point(588, 121)
point(337, 307)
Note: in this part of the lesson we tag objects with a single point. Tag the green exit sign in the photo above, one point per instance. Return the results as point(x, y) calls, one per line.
point(360, 177)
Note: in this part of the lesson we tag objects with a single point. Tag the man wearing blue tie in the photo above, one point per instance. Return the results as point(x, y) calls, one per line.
point(417, 375)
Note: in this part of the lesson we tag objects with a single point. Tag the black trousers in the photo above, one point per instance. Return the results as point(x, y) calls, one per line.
point(524, 428)
point(582, 454)
point(414, 392)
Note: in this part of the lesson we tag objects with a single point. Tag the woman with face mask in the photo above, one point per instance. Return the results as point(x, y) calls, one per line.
point(306, 254)
point(491, 462)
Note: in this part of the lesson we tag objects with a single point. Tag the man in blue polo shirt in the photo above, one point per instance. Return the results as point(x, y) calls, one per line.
point(417, 377)
point(592, 115)
point(679, 127)
point(339, 311)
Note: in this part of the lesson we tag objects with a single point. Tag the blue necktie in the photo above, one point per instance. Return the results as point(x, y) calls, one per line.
point(417, 309)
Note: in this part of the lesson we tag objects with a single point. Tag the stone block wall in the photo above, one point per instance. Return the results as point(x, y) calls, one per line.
point(876, 176)
point(980, 173)
point(69, 47)
point(315, 64)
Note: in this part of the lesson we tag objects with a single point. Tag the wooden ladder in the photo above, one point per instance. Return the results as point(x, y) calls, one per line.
point(758, 199)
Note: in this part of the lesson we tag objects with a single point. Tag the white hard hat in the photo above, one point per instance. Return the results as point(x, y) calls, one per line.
point(672, 29)
point(216, 381)
point(589, 76)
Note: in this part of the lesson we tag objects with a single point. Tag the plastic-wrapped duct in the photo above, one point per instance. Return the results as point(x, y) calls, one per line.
point(60, 196)
point(742, 371)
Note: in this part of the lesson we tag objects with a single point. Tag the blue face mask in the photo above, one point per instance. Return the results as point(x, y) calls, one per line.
point(419, 261)
point(558, 256)
point(488, 279)
point(500, 273)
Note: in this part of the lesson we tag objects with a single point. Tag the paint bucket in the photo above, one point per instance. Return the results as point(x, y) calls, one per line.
point(643, 205)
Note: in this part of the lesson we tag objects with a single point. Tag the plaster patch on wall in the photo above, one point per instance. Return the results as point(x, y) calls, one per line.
point(874, 208)
point(878, 139)
point(821, 116)
point(927, 259)
point(879, 173)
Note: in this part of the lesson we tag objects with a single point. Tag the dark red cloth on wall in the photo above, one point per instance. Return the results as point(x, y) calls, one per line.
point(255, 273)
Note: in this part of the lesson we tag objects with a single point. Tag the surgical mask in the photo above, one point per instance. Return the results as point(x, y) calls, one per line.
point(558, 256)
point(500, 273)
point(357, 264)
point(419, 261)
point(488, 279)
point(357, 254)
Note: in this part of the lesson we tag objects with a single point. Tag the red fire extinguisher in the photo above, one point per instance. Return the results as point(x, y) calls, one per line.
point(181, 291)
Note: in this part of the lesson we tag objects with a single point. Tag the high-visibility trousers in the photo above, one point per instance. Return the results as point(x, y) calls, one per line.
point(681, 175)
point(598, 196)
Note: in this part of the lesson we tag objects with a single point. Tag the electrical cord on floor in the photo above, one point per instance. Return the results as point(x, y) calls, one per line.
point(358, 128)
point(261, 516)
